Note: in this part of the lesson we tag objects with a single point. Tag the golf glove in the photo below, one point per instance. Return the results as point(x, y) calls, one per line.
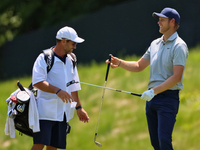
point(148, 95)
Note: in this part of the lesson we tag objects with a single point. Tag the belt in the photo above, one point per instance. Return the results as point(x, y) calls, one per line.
point(168, 91)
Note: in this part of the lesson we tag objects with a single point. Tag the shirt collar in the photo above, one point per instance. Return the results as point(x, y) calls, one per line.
point(63, 59)
point(171, 38)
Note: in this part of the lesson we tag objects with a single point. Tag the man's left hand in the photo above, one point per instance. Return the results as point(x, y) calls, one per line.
point(82, 114)
point(148, 95)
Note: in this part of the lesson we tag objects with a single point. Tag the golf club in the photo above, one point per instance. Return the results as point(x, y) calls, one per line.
point(108, 67)
point(111, 89)
point(20, 86)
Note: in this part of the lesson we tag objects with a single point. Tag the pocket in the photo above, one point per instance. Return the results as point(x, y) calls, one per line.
point(68, 128)
point(70, 110)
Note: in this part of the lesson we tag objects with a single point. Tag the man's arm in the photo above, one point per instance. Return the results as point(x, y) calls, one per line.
point(171, 81)
point(133, 66)
point(76, 98)
point(82, 114)
point(46, 87)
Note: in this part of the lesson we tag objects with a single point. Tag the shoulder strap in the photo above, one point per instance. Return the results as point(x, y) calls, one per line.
point(74, 59)
point(49, 58)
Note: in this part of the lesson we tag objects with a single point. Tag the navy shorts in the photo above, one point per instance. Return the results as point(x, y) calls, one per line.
point(52, 133)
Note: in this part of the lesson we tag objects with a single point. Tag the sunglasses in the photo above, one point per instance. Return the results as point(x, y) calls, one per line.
point(74, 43)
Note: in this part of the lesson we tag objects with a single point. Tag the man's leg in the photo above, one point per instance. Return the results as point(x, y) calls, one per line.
point(37, 147)
point(42, 138)
point(152, 121)
point(165, 129)
point(166, 121)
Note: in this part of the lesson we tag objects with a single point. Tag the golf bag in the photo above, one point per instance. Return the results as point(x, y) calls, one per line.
point(18, 110)
point(19, 102)
point(21, 119)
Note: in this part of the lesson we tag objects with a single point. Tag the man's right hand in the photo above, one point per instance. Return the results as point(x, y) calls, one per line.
point(46, 87)
point(115, 62)
point(66, 97)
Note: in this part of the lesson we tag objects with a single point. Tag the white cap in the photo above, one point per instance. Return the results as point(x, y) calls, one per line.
point(68, 33)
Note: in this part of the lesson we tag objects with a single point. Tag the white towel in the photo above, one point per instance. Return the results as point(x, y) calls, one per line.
point(33, 114)
point(10, 128)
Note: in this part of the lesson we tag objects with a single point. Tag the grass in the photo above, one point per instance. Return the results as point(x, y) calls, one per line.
point(123, 121)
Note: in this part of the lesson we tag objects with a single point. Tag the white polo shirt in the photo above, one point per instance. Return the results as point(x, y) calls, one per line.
point(162, 56)
point(50, 106)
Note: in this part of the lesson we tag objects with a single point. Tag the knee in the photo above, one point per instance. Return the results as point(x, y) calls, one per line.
point(37, 147)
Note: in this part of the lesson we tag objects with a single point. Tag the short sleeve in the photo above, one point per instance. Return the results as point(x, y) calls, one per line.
point(39, 72)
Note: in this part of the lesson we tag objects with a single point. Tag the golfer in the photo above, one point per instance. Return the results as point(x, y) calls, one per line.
point(55, 99)
point(167, 57)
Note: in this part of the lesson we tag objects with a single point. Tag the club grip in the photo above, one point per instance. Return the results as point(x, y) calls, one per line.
point(20, 86)
point(136, 94)
point(108, 67)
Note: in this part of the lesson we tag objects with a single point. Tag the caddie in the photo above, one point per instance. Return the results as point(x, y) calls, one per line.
point(56, 100)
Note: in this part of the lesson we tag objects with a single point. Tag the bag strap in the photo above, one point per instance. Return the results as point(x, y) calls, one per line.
point(49, 59)
point(74, 59)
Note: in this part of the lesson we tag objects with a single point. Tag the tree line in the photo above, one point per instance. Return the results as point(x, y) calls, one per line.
point(22, 16)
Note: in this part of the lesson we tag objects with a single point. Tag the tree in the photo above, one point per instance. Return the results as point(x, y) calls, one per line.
point(22, 16)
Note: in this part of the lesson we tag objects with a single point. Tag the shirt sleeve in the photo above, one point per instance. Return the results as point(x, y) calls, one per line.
point(180, 54)
point(77, 85)
point(147, 54)
point(39, 72)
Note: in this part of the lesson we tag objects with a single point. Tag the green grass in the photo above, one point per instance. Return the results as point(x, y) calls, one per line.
point(123, 122)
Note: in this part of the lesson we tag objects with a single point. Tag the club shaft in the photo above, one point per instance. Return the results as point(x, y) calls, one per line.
point(100, 108)
point(111, 89)
point(107, 72)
